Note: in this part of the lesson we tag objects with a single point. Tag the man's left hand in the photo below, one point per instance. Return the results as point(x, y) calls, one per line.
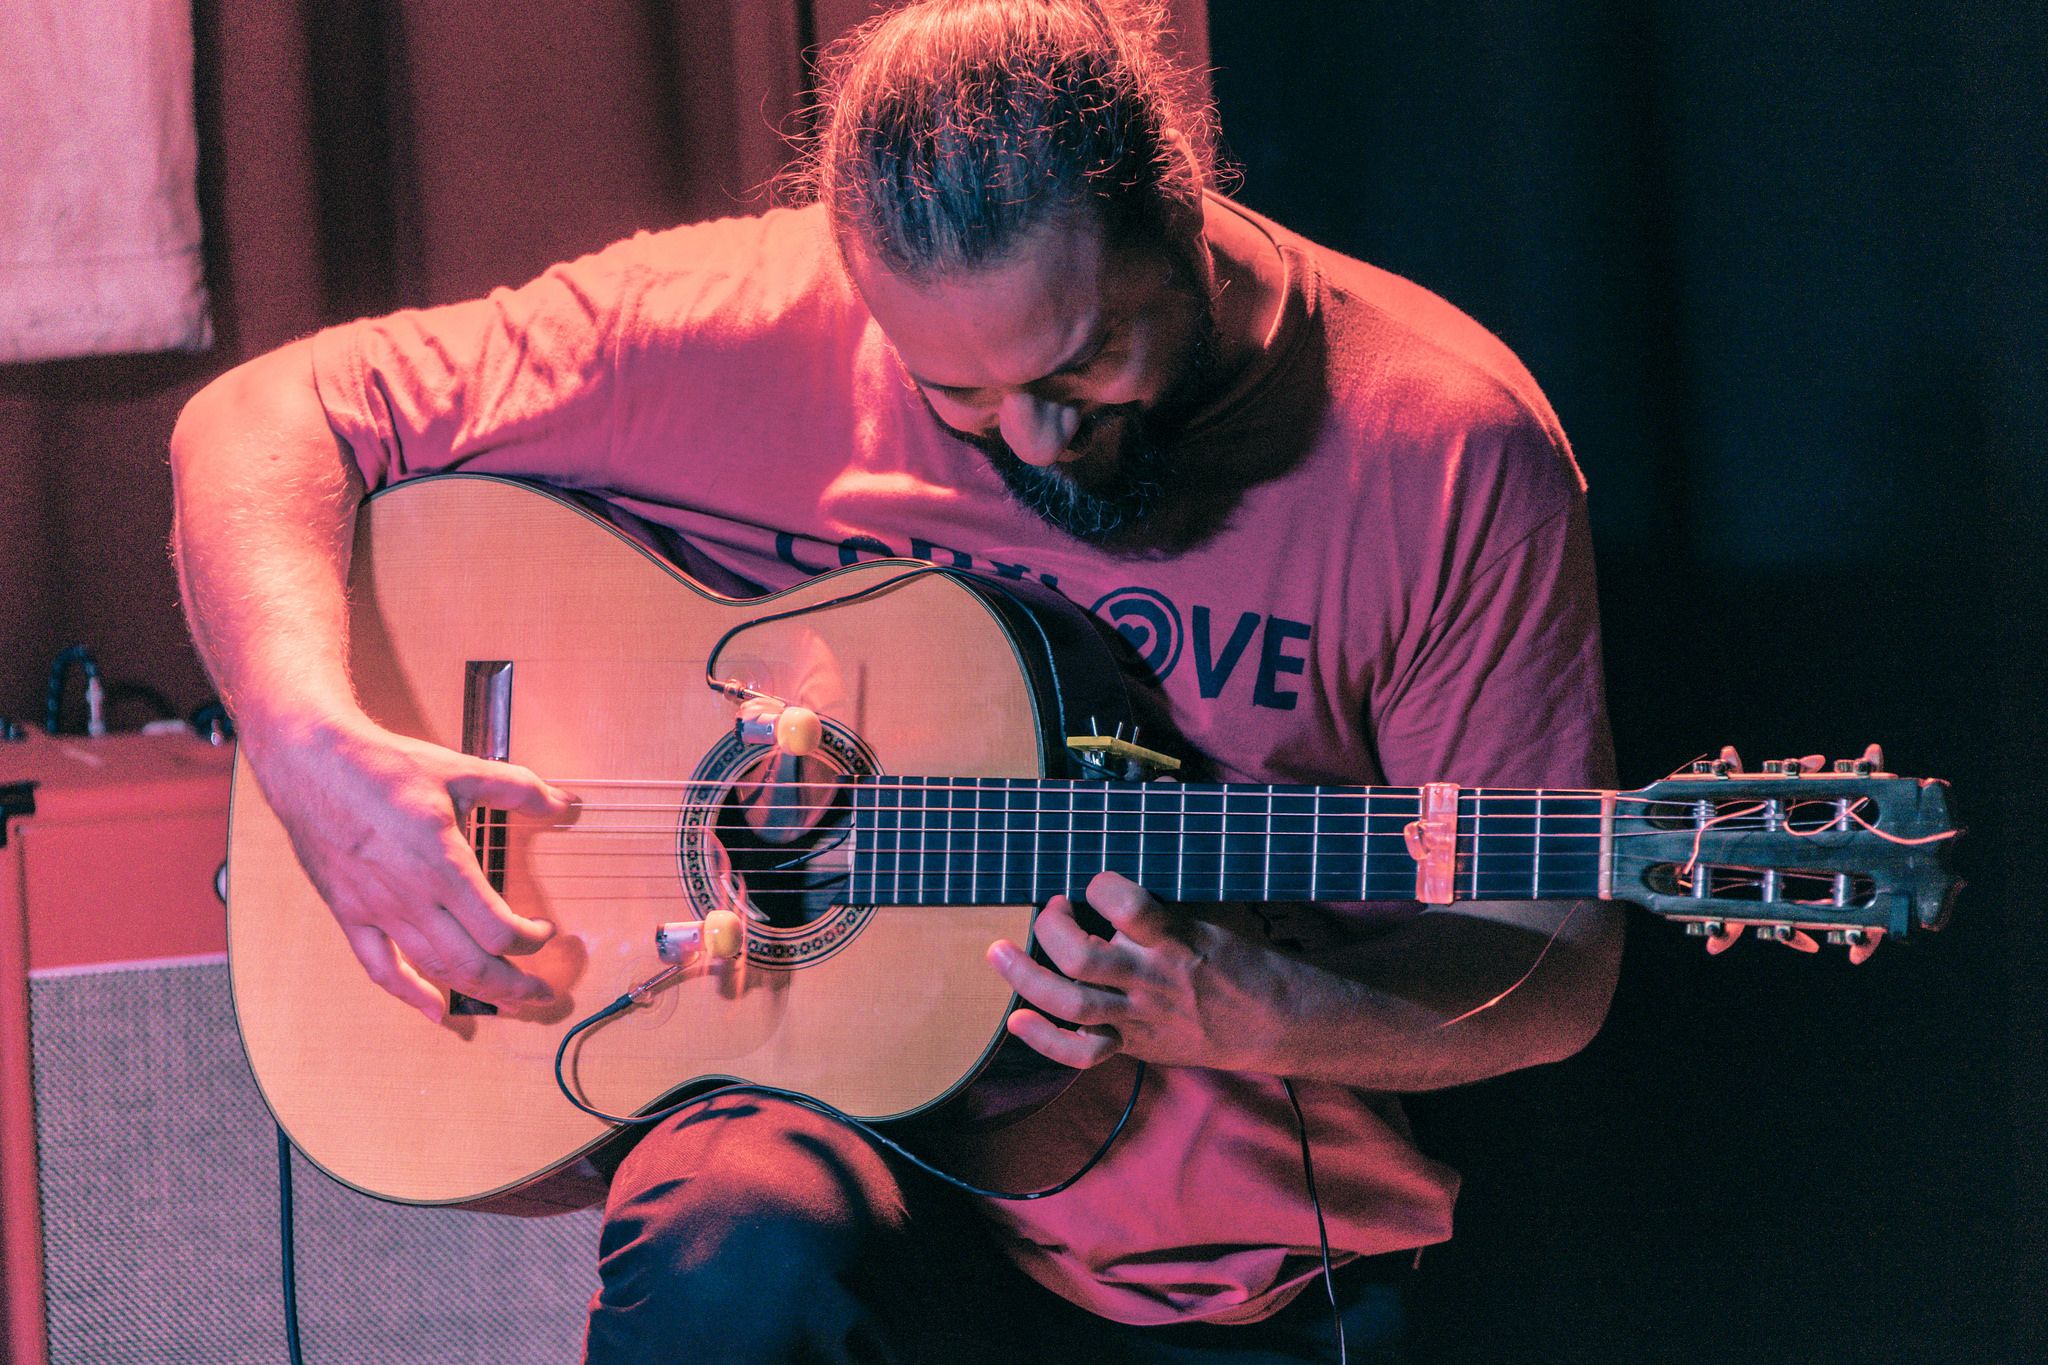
point(1168, 987)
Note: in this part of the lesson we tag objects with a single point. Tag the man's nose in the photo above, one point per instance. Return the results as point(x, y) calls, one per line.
point(1036, 429)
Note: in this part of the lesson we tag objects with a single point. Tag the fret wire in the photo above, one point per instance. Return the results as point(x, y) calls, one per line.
point(1223, 857)
point(1180, 851)
point(1315, 840)
point(999, 844)
point(1006, 844)
point(1536, 856)
point(1034, 837)
point(1142, 792)
point(1108, 804)
point(1478, 813)
point(1365, 848)
point(916, 809)
point(1038, 843)
point(948, 854)
point(1034, 846)
point(1266, 869)
point(896, 850)
point(1073, 837)
point(1222, 836)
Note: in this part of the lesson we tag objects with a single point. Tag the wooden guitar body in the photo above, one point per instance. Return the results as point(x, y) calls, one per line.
point(885, 1011)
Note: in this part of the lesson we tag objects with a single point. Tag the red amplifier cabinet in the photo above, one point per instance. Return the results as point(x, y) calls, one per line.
point(108, 850)
point(138, 1165)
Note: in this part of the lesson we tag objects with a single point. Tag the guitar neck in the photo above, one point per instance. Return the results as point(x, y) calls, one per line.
point(995, 841)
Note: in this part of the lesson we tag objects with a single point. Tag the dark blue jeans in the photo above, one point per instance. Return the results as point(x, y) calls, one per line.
point(755, 1230)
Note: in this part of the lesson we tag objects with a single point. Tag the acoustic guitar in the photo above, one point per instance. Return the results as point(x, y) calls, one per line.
point(805, 816)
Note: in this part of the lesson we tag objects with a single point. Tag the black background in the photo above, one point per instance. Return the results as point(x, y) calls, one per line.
point(1780, 270)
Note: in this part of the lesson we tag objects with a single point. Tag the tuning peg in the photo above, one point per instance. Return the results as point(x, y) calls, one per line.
point(1726, 764)
point(1797, 939)
point(1793, 767)
point(1861, 942)
point(1720, 936)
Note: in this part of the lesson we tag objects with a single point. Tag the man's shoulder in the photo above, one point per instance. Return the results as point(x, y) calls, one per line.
point(1408, 356)
point(744, 270)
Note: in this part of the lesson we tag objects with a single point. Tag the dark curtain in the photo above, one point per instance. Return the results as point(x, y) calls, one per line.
point(364, 155)
point(1780, 268)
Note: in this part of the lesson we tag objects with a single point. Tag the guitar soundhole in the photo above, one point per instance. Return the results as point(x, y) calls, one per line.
point(782, 827)
point(769, 835)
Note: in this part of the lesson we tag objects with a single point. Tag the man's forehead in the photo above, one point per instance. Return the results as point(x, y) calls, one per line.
point(1023, 319)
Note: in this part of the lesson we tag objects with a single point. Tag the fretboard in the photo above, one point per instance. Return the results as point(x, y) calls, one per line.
point(1000, 841)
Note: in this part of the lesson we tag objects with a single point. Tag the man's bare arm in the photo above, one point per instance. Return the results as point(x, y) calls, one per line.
point(266, 499)
point(266, 496)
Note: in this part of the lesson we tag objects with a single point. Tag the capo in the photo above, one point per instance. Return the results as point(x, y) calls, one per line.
point(1433, 844)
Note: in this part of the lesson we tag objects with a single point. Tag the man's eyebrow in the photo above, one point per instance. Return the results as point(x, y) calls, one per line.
point(1078, 359)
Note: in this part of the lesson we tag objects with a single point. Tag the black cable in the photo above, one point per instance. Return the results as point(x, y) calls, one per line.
point(288, 1256)
point(60, 671)
point(974, 582)
point(818, 1106)
point(1308, 1175)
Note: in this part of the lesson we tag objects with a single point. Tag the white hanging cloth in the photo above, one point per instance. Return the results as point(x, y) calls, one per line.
point(99, 207)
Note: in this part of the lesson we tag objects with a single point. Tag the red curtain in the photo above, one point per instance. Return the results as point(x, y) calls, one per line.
point(364, 155)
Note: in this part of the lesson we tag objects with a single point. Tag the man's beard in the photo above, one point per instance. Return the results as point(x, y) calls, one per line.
point(1108, 491)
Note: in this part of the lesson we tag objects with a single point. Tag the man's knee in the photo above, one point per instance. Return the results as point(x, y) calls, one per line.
point(749, 1201)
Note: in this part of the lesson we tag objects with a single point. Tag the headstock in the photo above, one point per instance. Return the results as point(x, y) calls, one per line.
point(1850, 852)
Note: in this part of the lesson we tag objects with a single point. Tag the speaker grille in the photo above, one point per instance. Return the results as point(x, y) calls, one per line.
point(158, 1172)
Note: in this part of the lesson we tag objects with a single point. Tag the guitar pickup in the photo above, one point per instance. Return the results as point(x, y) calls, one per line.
point(1115, 757)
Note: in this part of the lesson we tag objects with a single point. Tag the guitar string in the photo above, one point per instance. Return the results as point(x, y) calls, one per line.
point(1325, 837)
point(1322, 845)
point(1288, 790)
point(765, 879)
point(773, 879)
point(1688, 817)
point(1678, 811)
point(1485, 805)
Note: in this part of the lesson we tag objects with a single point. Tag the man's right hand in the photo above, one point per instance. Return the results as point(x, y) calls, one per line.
point(378, 823)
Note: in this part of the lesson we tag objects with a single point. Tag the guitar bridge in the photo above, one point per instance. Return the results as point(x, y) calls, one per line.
point(486, 733)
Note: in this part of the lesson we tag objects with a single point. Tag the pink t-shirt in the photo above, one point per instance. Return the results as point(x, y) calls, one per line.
point(1396, 586)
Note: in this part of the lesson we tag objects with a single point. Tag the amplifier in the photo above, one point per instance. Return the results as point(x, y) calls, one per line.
point(138, 1170)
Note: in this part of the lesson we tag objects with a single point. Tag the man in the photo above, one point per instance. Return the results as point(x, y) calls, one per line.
point(1014, 330)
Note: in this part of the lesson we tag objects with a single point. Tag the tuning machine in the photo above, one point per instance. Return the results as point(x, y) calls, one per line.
point(1719, 934)
point(1790, 935)
point(1860, 942)
point(1726, 764)
point(1870, 765)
